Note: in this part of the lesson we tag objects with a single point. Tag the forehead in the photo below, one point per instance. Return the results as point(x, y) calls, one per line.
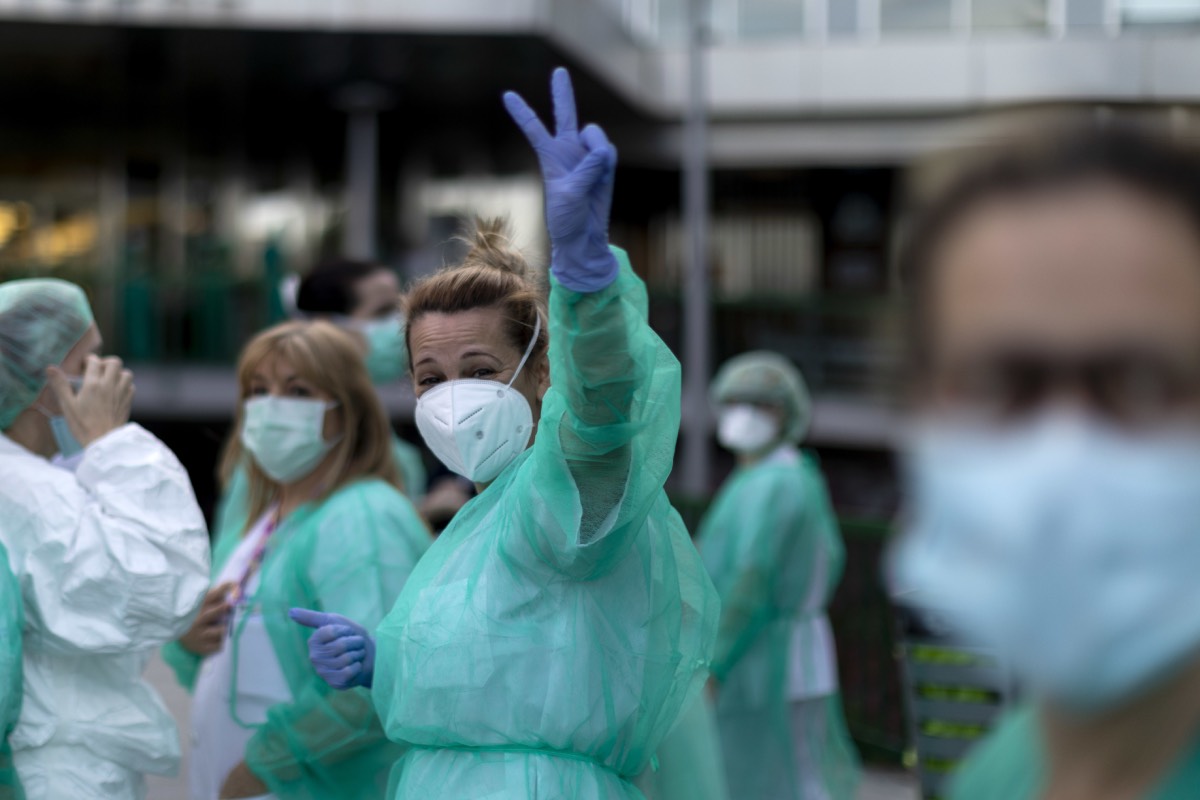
point(274, 366)
point(382, 283)
point(437, 335)
point(1091, 266)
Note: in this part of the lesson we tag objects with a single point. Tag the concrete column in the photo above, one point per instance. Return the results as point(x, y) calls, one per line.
point(362, 104)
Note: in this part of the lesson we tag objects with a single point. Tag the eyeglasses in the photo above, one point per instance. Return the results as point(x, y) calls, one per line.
point(1127, 387)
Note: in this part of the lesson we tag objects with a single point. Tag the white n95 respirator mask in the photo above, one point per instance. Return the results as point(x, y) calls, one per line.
point(285, 435)
point(477, 427)
point(744, 428)
point(1070, 548)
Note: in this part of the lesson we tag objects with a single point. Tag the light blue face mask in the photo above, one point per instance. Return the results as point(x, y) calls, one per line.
point(387, 352)
point(68, 445)
point(1070, 548)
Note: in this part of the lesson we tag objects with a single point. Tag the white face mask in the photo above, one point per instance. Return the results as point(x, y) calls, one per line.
point(744, 428)
point(1070, 548)
point(477, 427)
point(285, 435)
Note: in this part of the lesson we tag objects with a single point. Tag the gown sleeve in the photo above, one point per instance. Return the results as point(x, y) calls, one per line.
point(606, 438)
point(114, 558)
point(355, 561)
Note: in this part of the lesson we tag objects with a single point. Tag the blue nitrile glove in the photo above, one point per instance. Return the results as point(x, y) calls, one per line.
point(578, 168)
point(341, 651)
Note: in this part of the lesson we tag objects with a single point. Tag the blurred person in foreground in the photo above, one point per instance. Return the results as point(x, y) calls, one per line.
point(12, 620)
point(361, 297)
point(111, 557)
point(772, 546)
point(328, 530)
point(1054, 465)
point(553, 634)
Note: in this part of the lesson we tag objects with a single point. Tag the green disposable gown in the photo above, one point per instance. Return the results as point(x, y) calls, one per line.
point(772, 546)
point(689, 764)
point(12, 624)
point(553, 634)
point(1010, 764)
point(349, 554)
point(412, 468)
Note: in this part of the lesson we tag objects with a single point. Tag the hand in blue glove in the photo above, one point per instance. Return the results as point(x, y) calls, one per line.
point(578, 168)
point(341, 651)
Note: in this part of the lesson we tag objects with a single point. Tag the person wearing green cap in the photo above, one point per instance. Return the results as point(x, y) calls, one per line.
point(11, 691)
point(772, 546)
point(112, 557)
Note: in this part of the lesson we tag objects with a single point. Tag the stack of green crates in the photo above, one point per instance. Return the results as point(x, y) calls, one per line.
point(954, 694)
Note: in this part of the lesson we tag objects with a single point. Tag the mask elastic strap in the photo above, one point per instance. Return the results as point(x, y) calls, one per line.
point(537, 329)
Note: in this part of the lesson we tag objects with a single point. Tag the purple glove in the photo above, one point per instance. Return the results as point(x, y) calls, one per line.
point(578, 168)
point(341, 651)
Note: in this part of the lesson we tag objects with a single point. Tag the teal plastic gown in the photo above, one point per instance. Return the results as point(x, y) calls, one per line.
point(553, 634)
point(350, 554)
point(1010, 764)
point(772, 545)
point(690, 765)
point(12, 625)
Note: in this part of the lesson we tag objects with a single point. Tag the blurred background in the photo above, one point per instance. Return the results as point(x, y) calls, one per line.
point(180, 157)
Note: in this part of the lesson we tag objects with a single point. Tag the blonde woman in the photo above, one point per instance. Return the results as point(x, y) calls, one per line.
point(329, 530)
point(563, 621)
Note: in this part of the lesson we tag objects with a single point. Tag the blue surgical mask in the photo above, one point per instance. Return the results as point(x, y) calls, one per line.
point(68, 445)
point(387, 353)
point(1068, 547)
point(285, 435)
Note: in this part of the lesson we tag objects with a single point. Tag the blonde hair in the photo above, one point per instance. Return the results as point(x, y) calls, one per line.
point(332, 361)
point(494, 274)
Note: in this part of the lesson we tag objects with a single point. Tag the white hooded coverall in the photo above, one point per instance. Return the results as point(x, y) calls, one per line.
point(112, 561)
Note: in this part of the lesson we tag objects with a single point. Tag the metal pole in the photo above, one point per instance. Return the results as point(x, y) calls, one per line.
point(697, 311)
point(362, 103)
point(362, 154)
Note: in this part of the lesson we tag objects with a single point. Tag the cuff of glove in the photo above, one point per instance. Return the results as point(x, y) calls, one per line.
point(585, 274)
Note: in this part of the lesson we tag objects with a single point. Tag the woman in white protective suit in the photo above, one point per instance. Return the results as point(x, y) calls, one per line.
point(112, 558)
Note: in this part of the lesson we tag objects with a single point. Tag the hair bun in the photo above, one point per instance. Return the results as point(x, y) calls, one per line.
point(491, 245)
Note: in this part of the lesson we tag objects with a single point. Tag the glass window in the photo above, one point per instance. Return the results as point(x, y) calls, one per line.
point(843, 19)
point(904, 16)
point(1160, 11)
point(1008, 14)
point(1085, 13)
point(766, 18)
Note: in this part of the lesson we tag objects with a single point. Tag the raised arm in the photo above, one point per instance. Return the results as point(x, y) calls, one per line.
point(606, 438)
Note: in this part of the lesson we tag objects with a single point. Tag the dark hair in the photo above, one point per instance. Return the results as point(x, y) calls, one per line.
point(329, 287)
point(494, 274)
point(1119, 153)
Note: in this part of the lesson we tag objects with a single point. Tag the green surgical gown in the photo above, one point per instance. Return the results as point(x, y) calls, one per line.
point(772, 546)
point(349, 554)
point(689, 764)
point(12, 624)
point(553, 634)
point(1010, 764)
